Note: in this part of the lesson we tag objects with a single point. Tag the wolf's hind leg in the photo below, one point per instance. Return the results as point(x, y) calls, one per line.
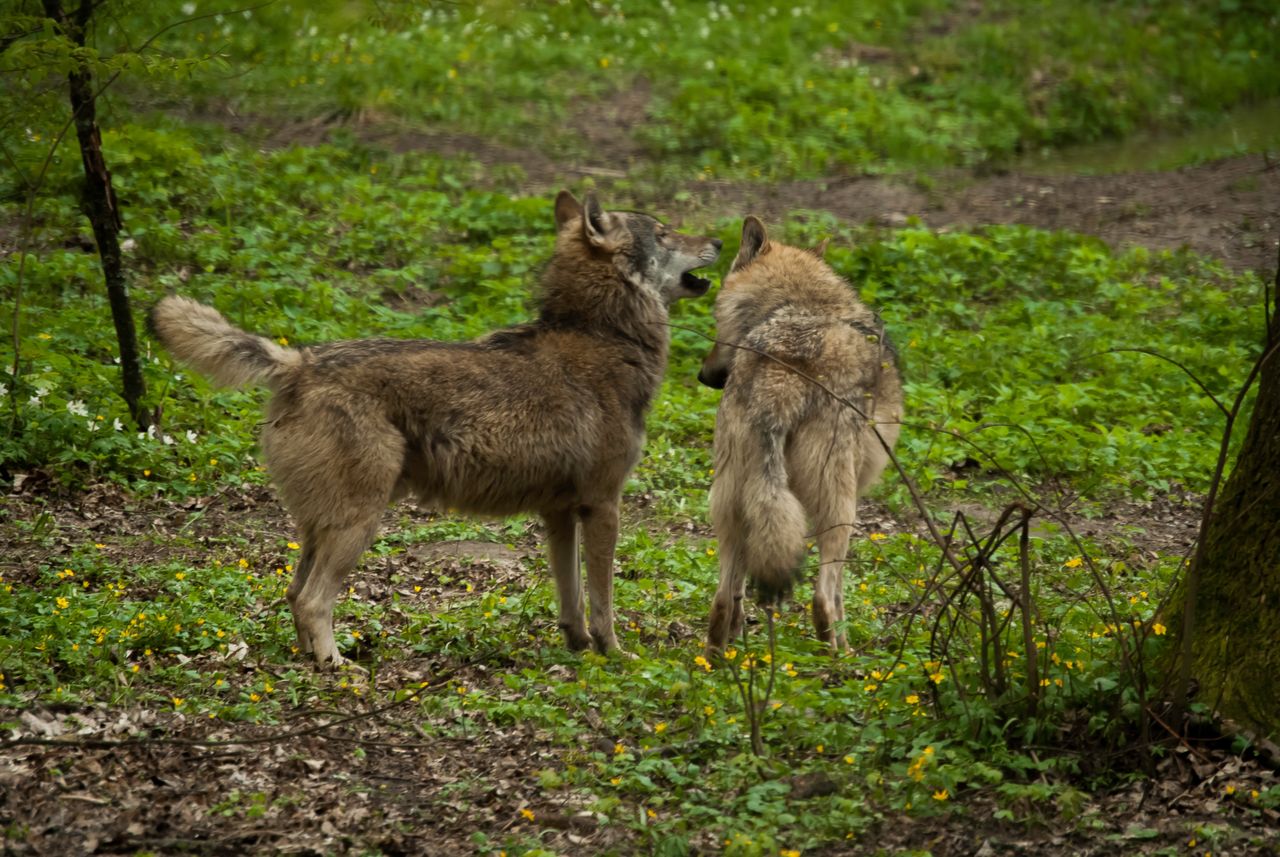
point(562, 554)
point(300, 574)
point(727, 614)
point(337, 550)
point(828, 590)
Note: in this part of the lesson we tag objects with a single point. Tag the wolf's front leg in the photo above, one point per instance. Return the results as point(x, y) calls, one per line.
point(600, 536)
point(562, 554)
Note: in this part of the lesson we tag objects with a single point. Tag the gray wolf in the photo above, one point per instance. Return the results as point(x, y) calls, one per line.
point(785, 449)
point(544, 417)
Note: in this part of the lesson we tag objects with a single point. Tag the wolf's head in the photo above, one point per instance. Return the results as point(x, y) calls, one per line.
point(645, 251)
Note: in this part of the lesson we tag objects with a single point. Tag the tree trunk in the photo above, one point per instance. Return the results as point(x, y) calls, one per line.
point(100, 206)
point(1233, 586)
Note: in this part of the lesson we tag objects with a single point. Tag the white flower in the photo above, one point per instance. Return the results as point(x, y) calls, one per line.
point(188, 9)
point(77, 408)
point(34, 401)
point(117, 425)
point(191, 436)
point(93, 425)
point(151, 432)
point(3, 389)
point(168, 441)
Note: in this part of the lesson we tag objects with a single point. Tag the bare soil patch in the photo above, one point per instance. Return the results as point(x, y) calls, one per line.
point(1227, 209)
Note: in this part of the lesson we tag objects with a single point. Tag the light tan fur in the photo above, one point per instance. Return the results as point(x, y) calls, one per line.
point(786, 450)
point(545, 417)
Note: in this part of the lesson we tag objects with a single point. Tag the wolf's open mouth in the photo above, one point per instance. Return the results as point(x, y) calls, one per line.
point(693, 283)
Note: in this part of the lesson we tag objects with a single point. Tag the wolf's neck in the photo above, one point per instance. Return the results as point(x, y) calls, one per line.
point(599, 302)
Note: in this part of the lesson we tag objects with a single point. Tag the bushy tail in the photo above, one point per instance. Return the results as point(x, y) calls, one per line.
point(768, 521)
point(200, 337)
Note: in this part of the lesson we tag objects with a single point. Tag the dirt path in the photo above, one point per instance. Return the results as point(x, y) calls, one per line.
point(1228, 209)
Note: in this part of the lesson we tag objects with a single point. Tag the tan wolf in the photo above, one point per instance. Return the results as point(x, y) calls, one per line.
point(786, 449)
point(544, 417)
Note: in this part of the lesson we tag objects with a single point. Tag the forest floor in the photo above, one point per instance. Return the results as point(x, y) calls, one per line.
point(370, 783)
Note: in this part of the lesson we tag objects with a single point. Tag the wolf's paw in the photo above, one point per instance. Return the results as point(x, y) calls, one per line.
point(577, 639)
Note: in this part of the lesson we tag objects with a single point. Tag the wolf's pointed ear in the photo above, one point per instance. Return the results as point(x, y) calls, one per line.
point(820, 249)
point(755, 242)
point(567, 208)
point(596, 222)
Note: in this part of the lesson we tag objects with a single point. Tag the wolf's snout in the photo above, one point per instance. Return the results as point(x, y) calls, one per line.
point(713, 378)
point(717, 243)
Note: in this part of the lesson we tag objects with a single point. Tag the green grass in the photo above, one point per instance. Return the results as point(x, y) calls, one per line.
point(1001, 332)
point(1002, 328)
point(1008, 337)
point(750, 89)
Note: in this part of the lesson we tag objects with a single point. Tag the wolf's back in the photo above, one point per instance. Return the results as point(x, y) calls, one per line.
point(200, 337)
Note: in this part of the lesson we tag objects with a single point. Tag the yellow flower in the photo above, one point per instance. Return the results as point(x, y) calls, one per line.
point(941, 795)
point(293, 546)
point(527, 813)
point(650, 813)
point(1231, 790)
point(617, 781)
point(253, 697)
point(730, 654)
point(618, 749)
point(659, 728)
point(1158, 629)
point(243, 563)
point(177, 701)
point(848, 760)
point(702, 662)
point(1074, 562)
point(213, 462)
point(936, 678)
point(708, 710)
point(63, 603)
point(785, 852)
point(604, 62)
point(912, 699)
point(180, 575)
